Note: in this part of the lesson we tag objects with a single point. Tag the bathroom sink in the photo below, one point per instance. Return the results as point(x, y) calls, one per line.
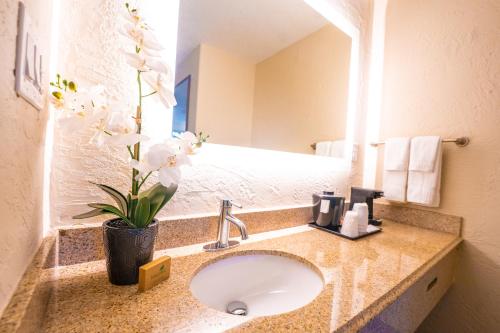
point(256, 284)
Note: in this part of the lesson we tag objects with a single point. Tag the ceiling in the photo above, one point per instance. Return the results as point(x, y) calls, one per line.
point(255, 29)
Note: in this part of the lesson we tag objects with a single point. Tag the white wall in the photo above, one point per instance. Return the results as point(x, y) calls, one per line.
point(22, 131)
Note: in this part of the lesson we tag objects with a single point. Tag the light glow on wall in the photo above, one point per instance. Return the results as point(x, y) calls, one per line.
point(259, 179)
point(49, 130)
point(163, 17)
point(375, 93)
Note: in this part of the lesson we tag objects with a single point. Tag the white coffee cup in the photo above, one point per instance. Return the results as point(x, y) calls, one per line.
point(362, 210)
point(350, 224)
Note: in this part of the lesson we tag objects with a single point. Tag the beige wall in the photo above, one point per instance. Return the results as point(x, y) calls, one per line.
point(225, 96)
point(22, 131)
point(190, 67)
point(301, 93)
point(442, 76)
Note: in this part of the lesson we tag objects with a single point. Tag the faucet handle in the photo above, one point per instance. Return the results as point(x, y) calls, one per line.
point(227, 203)
point(236, 204)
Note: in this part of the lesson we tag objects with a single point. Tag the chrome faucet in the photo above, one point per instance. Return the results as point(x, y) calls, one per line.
point(225, 218)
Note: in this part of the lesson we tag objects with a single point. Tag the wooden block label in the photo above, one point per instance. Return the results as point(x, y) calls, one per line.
point(154, 272)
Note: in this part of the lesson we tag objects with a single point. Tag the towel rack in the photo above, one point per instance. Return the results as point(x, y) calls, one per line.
point(313, 145)
point(461, 142)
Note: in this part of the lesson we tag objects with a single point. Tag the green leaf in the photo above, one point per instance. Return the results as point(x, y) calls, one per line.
point(117, 196)
point(92, 213)
point(129, 201)
point(158, 196)
point(112, 210)
point(141, 216)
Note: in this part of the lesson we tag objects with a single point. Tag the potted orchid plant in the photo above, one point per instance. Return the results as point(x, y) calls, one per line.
point(130, 236)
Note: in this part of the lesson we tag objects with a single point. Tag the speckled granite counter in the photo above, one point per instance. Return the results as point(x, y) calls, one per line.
point(361, 279)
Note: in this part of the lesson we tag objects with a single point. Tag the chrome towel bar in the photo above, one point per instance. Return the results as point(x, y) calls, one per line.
point(461, 142)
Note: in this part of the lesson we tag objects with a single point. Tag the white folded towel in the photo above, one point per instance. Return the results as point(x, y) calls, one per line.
point(323, 148)
point(330, 148)
point(424, 177)
point(395, 176)
point(337, 148)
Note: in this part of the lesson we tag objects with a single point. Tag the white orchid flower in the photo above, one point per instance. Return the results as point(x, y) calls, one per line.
point(80, 110)
point(136, 61)
point(160, 67)
point(133, 16)
point(58, 102)
point(159, 83)
point(117, 127)
point(67, 101)
point(143, 37)
point(141, 166)
point(129, 139)
point(160, 155)
point(120, 122)
point(169, 176)
point(187, 140)
point(95, 97)
point(166, 159)
point(146, 63)
point(75, 121)
point(151, 52)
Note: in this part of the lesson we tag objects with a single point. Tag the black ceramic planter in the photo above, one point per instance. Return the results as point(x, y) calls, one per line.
point(127, 249)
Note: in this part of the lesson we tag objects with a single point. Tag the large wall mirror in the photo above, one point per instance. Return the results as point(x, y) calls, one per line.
point(271, 74)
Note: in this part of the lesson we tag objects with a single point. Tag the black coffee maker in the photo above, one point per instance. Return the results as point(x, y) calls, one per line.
point(364, 195)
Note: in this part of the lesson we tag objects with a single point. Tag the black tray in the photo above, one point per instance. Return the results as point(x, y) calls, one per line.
point(336, 231)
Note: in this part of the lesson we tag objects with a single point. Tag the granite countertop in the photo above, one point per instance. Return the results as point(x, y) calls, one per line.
point(361, 279)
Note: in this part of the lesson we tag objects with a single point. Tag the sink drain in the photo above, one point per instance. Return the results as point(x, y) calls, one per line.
point(237, 308)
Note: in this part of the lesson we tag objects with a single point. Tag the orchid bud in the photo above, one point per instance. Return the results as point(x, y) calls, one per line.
point(72, 86)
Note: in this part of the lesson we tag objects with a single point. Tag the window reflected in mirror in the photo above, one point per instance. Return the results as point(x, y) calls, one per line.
point(181, 110)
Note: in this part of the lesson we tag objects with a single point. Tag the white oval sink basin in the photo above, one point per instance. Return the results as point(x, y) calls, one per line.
point(267, 284)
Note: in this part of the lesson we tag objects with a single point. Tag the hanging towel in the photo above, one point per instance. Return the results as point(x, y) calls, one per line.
point(337, 148)
point(323, 148)
point(330, 148)
point(424, 177)
point(396, 157)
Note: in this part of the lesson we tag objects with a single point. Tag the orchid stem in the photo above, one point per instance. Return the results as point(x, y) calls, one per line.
point(152, 93)
point(137, 146)
point(144, 179)
point(130, 152)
